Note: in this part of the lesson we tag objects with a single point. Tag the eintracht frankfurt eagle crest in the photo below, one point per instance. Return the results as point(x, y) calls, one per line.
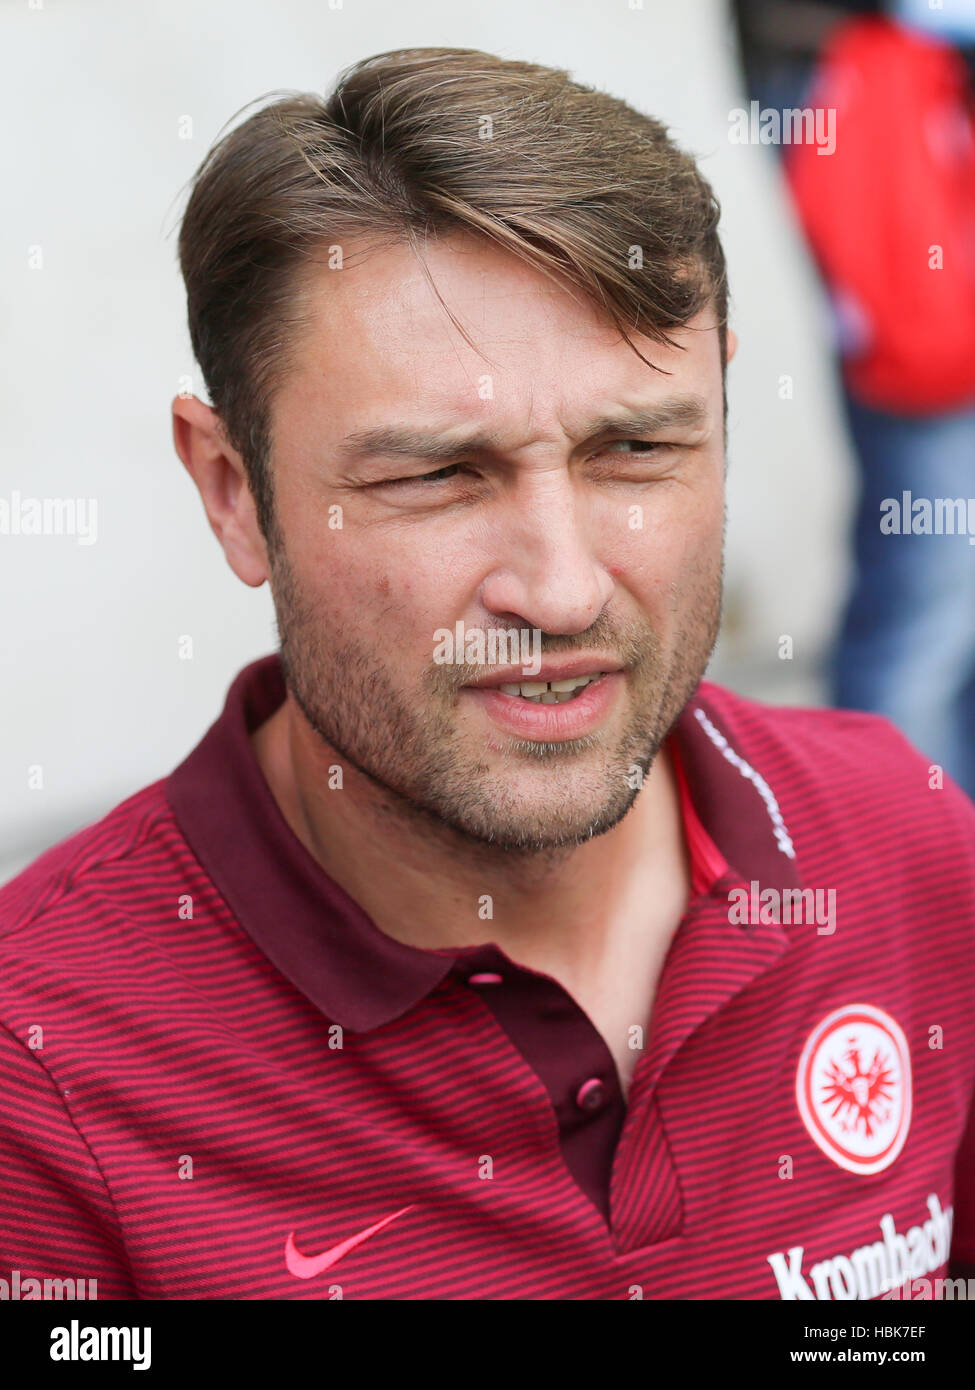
point(853, 1087)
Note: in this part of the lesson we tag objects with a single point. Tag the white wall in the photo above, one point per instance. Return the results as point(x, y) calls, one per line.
point(93, 347)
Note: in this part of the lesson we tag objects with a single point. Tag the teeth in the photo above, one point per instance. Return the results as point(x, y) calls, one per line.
point(550, 692)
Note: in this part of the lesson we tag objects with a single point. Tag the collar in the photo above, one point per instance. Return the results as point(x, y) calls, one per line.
point(321, 940)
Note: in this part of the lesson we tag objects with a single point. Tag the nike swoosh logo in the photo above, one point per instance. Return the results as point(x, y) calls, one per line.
point(307, 1266)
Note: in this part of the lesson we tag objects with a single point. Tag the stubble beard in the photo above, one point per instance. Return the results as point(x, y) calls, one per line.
point(412, 749)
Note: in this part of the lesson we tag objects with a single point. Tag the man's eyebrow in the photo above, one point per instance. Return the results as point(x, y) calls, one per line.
point(412, 443)
point(679, 412)
point(684, 412)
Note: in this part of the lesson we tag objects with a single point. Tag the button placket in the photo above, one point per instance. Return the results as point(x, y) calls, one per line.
point(568, 1055)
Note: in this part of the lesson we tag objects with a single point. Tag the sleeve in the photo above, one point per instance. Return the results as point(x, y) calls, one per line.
point(57, 1220)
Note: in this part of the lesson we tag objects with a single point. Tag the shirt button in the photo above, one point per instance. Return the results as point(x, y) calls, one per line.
point(486, 977)
point(591, 1095)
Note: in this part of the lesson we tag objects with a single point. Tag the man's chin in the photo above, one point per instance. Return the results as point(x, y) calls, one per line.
point(546, 796)
point(549, 826)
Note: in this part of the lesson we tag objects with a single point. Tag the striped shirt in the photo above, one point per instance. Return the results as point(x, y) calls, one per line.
point(220, 1079)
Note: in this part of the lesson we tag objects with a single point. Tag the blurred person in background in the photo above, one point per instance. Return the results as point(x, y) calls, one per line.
point(889, 214)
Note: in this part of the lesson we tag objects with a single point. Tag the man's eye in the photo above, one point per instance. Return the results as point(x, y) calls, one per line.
point(439, 475)
point(648, 446)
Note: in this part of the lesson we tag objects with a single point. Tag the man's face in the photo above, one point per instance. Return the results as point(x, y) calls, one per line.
point(606, 542)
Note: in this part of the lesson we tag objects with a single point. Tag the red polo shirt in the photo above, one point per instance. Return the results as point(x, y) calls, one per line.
point(219, 1078)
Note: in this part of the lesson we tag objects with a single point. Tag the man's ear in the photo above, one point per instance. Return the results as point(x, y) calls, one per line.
point(731, 345)
point(219, 474)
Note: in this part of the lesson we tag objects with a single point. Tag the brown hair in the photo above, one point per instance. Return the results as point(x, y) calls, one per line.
point(421, 142)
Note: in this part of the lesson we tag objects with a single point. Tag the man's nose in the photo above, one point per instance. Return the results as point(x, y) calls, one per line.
point(547, 573)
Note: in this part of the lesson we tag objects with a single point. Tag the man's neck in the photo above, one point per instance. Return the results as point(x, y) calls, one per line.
point(579, 914)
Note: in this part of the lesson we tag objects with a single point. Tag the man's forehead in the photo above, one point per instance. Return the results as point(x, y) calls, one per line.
point(383, 352)
point(413, 414)
point(396, 297)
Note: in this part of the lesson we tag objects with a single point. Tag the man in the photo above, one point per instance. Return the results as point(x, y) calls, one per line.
point(482, 950)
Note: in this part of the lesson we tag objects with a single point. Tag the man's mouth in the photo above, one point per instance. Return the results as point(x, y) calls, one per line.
point(549, 692)
point(579, 694)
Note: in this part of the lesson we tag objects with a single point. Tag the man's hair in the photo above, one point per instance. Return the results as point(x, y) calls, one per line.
point(421, 143)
